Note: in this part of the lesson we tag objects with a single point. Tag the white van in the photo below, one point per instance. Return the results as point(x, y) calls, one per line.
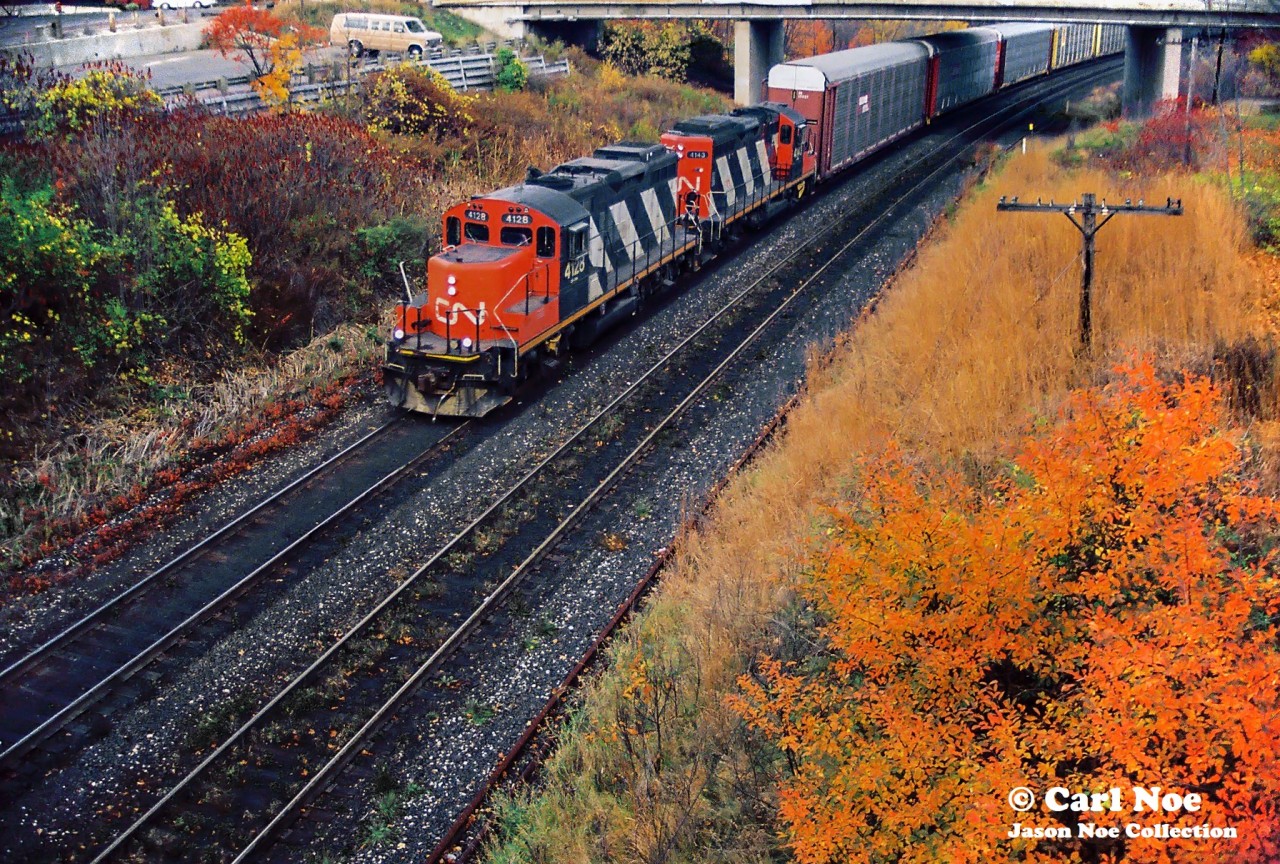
point(368, 32)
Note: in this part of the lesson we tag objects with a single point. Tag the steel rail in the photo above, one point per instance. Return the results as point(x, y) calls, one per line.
point(69, 711)
point(322, 775)
point(74, 629)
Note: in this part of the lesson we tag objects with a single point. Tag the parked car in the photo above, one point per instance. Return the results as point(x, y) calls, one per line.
point(365, 32)
point(184, 4)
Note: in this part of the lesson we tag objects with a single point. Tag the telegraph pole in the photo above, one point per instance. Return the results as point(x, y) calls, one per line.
point(1089, 209)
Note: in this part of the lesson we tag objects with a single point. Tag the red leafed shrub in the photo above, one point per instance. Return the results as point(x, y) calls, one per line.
point(297, 186)
point(1171, 137)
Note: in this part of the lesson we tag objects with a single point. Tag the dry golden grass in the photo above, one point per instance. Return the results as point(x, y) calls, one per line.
point(979, 335)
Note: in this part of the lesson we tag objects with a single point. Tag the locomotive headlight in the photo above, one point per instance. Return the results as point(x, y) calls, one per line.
point(452, 280)
point(451, 290)
point(397, 334)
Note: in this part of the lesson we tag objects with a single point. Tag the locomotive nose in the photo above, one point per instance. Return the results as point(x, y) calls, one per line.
point(468, 284)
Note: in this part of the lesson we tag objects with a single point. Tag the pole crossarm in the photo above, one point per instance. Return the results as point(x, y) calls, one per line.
point(1088, 209)
point(1100, 208)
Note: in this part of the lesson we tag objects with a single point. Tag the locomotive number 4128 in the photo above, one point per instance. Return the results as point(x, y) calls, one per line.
point(517, 218)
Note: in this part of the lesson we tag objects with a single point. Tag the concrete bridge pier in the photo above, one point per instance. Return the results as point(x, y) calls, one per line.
point(757, 45)
point(1152, 64)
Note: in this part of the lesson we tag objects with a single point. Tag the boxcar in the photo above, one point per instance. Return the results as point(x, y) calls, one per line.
point(962, 65)
point(1074, 44)
point(1110, 39)
point(1024, 52)
point(857, 100)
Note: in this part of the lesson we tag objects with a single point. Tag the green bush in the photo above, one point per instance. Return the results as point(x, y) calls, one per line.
point(73, 104)
point(50, 262)
point(376, 252)
point(511, 75)
point(76, 296)
point(1262, 209)
point(648, 49)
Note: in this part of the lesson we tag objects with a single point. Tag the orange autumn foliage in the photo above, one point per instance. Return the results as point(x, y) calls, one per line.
point(808, 38)
point(264, 39)
point(1104, 615)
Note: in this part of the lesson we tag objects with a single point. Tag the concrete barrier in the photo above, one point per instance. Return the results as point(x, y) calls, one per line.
point(127, 41)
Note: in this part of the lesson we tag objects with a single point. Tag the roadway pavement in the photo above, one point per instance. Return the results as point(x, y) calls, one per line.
point(31, 23)
point(173, 70)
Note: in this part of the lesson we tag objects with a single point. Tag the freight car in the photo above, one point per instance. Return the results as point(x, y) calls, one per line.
point(1025, 51)
point(533, 270)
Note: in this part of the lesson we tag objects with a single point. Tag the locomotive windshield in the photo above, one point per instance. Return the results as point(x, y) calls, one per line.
point(516, 236)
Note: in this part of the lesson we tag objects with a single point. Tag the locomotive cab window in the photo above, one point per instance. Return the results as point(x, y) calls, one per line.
point(546, 242)
point(477, 233)
point(577, 241)
point(516, 236)
point(452, 231)
point(784, 136)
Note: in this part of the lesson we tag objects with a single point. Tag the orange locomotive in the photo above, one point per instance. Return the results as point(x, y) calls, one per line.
point(530, 271)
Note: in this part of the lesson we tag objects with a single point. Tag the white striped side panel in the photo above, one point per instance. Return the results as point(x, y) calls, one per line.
point(651, 207)
point(626, 228)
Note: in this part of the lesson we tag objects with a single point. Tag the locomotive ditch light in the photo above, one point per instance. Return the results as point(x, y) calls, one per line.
point(397, 334)
point(466, 343)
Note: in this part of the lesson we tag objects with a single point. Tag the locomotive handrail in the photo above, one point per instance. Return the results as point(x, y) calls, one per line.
point(451, 318)
point(528, 292)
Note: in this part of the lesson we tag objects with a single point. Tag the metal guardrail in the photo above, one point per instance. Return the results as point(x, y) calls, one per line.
point(314, 83)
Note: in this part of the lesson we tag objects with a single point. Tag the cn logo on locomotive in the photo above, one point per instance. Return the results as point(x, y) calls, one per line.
point(450, 316)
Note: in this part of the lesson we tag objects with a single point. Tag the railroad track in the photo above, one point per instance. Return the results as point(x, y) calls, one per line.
point(49, 689)
point(519, 762)
point(261, 776)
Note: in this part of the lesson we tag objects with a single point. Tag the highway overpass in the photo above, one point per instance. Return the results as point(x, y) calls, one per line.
point(1153, 54)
